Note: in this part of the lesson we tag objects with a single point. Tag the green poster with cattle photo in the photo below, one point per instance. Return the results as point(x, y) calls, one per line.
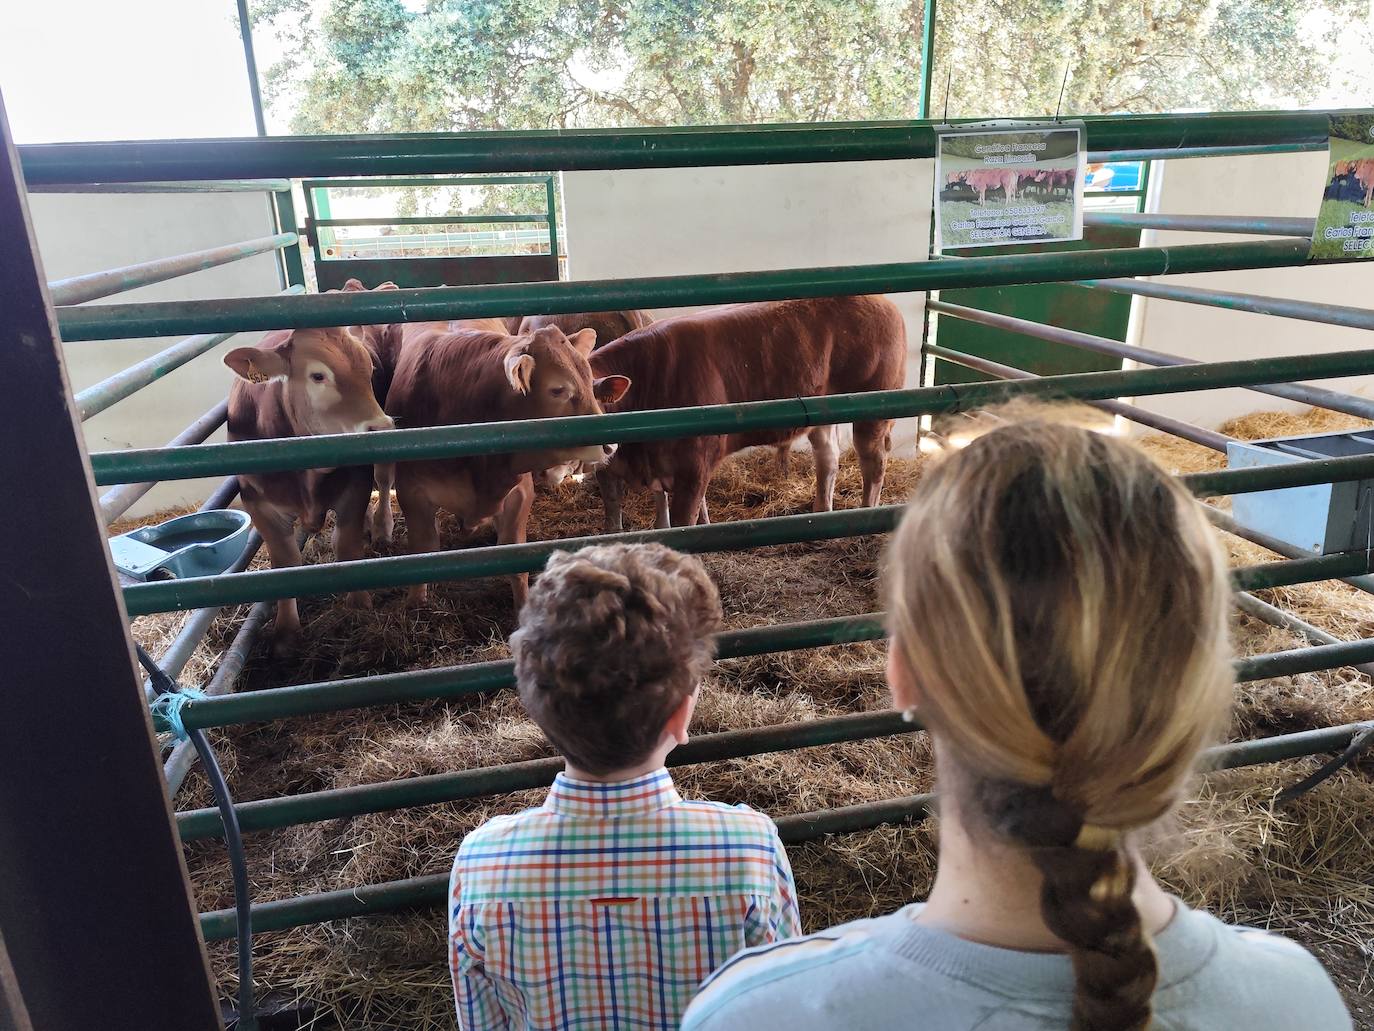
point(1008, 182)
point(1345, 221)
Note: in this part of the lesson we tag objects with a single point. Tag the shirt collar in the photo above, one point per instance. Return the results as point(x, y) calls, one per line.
point(645, 794)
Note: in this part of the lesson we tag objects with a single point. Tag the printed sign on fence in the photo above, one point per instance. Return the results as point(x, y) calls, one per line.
point(1008, 182)
point(1345, 221)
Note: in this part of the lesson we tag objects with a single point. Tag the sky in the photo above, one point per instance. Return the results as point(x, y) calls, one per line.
point(123, 69)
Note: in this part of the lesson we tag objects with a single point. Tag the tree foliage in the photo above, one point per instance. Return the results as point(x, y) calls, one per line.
point(445, 65)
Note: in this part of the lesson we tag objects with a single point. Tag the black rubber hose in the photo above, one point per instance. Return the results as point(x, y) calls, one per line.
point(238, 865)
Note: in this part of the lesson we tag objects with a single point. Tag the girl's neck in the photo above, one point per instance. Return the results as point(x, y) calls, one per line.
point(990, 894)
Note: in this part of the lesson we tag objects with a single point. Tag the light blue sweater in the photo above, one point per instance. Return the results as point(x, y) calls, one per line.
point(892, 973)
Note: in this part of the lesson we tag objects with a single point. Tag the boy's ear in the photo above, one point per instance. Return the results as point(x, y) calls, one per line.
point(681, 718)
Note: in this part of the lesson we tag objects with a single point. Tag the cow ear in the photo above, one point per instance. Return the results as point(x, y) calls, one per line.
point(610, 389)
point(258, 364)
point(520, 369)
point(388, 285)
point(583, 341)
point(352, 285)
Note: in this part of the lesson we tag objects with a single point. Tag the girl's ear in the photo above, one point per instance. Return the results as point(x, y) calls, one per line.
point(905, 693)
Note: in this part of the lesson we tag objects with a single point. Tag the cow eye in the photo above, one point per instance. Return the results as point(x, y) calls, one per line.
point(558, 391)
point(317, 377)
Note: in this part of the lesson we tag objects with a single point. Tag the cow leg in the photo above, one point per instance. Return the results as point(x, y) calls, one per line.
point(612, 489)
point(511, 521)
point(350, 515)
point(784, 460)
point(662, 516)
point(382, 519)
point(688, 497)
point(704, 517)
point(826, 450)
point(422, 528)
point(277, 529)
point(872, 442)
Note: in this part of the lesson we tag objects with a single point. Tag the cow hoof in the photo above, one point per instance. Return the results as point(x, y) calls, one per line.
point(417, 597)
point(285, 642)
point(358, 600)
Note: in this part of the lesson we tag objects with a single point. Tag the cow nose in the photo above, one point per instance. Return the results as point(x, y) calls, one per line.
point(608, 449)
point(384, 423)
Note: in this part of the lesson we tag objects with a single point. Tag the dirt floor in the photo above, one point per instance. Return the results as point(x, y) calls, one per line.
point(1306, 870)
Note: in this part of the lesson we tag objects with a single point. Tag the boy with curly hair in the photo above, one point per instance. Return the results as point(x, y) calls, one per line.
point(608, 905)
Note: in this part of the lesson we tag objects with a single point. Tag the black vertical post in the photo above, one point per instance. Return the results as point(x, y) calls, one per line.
point(95, 907)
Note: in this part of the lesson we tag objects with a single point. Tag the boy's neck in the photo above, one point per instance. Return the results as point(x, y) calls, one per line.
point(649, 765)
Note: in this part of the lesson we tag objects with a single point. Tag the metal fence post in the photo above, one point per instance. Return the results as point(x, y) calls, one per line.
point(551, 204)
point(285, 206)
point(96, 912)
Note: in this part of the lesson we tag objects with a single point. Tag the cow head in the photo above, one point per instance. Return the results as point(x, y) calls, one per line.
point(325, 376)
point(549, 377)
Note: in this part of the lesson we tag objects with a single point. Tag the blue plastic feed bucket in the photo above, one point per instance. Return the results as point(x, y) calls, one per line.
point(199, 544)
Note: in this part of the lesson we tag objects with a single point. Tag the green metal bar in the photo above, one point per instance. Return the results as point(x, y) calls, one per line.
point(568, 149)
point(928, 16)
point(372, 573)
point(1319, 396)
point(423, 181)
point(457, 681)
point(431, 891)
point(551, 210)
point(1187, 431)
point(79, 289)
point(442, 303)
point(111, 391)
point(293, 267)
point(108, 392)
point(1258, 225)
point(114, 503)
point(673, 423)
point(1224, 521)
point(1285, 308)
point(251, 65)
point(187, 186)
point(1301, 571)
point(1165, 153)
point(430, 220)
point(533, 773)
point(1275, 616)
point(340, 803)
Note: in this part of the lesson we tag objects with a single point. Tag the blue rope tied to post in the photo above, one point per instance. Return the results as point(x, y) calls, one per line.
point(167, 708)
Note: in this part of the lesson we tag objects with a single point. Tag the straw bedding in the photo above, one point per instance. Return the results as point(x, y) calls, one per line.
point(1307, 870)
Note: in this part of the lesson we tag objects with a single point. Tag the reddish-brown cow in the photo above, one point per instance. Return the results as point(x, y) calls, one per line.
point(751, 352)
point(467, 376)
point(609, 325)
point(296, 384)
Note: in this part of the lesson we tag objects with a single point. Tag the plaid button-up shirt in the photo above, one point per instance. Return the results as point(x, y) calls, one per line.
point(609, 905)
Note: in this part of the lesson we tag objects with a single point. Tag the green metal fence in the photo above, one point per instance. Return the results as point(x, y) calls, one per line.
point(167, 161)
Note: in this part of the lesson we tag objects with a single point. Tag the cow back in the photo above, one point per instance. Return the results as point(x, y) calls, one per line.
point(609, 325)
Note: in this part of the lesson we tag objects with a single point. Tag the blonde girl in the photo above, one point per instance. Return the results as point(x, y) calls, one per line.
point(1059, 614)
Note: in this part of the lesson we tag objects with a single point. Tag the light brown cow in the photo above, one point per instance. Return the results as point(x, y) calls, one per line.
point(750, 352)
point(296, 384)
point(609, 325)
point(466, 376)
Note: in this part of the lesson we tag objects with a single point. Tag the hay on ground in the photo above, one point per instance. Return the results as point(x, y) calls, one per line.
point(1305, 870)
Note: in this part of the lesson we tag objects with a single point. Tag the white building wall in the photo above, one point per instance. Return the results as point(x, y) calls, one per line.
point(81, 233)
point(664, 222)
point(1280, 185)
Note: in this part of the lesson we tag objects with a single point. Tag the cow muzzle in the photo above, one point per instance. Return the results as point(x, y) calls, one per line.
point(383, 422)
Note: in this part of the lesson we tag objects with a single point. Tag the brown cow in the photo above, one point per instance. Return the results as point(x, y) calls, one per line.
point(609, 325)
point(467, 376)
point(1362, 171)
point(301, 383)
point(751, 352)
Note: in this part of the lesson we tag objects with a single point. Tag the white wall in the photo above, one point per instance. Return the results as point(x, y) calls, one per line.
point(664, 222)
point(1281, 185)
point(81, 233)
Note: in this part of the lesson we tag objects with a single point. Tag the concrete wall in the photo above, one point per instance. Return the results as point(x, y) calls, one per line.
point(1285, 185)
point(80, 233)
point(664, 222)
